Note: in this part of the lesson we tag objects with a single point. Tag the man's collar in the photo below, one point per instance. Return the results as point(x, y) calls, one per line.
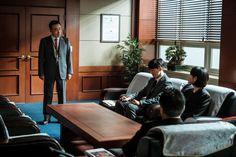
point(53, 38)
point(162, 74)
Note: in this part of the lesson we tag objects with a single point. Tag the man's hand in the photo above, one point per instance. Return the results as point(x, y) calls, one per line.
point(69, 76)
point(135, 102)
point(124, 98)
point(41, 77)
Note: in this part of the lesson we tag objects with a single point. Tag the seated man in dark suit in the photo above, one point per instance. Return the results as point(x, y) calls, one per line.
point(130, 105)
point(171, 107)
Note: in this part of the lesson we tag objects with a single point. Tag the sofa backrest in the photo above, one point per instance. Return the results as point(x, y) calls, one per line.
point(139, 81)
point(178, 83)
point(218, 95)
point(228, 108)
point(157, 139)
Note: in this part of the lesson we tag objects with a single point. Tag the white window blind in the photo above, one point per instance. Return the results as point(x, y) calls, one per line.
point(198, 20)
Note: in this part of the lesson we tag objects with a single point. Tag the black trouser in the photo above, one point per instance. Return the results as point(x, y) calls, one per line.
point(48, 90)
point(127, 109)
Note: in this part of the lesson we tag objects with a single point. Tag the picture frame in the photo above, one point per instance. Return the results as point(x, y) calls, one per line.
point(110, 28)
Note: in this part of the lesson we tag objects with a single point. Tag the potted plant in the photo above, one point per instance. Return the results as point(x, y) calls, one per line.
point(175, 55)
point(131, 57)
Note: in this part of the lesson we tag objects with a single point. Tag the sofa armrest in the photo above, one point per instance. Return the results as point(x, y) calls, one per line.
point(60, 153)
point(40, 138)
point(30, 145)
point(112, 93)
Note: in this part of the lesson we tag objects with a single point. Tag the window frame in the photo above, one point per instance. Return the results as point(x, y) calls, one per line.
point(206, 45)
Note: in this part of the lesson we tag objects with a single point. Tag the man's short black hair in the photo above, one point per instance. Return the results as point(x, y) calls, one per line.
point(53, 22)
point(202, 76)
point(172, 102)
point(156, 63)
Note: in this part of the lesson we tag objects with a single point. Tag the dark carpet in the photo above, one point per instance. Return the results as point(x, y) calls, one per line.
point(35, 111)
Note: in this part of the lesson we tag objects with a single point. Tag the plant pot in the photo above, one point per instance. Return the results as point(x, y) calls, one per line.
point(171, 67)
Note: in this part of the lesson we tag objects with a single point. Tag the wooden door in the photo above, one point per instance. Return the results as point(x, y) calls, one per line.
point(12, 52)
point(21, 31)
point(37, 20)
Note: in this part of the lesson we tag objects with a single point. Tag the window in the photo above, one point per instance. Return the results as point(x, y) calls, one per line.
point(196, 56)
point(190, 23)
point(162, 51)
point(215, 57)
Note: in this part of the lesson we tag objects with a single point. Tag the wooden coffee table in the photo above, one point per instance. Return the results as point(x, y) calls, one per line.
point(96, 124)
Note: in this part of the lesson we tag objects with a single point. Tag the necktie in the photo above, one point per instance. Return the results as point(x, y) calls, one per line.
point(152, 89)
point(55, 44)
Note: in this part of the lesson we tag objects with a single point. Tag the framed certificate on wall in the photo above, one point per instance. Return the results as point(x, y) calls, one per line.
point(110, 28)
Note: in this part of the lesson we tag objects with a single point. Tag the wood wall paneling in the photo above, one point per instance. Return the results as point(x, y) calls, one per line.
point(34, 64)
point(9, 64)
point(42, 17)
point(36, 85)
point(147, 27)
point(91, 84)
point(34, 3)
point(93, 79)
point(147, 20)
point(9, 85)
point(9, 26)
point(227, 72)
point(146, 31)
point(72, 32)
point(12, 46)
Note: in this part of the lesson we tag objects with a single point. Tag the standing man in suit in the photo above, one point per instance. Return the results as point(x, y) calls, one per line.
point(54, 64)
point(140, 102)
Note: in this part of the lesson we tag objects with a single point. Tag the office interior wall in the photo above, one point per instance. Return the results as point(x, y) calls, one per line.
point(92, 51)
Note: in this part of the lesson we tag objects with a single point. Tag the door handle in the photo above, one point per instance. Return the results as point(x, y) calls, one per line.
point(22, 57)
point(28, 57)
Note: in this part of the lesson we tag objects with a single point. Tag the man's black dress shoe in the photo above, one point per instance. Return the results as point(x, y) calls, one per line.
point(45, 122)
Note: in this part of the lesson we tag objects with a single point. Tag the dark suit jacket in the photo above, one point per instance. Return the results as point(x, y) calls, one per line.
point(196, 104)
point(152, 95)
point(130, 148)
point(47, 64)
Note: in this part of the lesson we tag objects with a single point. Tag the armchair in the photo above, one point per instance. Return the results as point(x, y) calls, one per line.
point(110, 95)
point(29, 145)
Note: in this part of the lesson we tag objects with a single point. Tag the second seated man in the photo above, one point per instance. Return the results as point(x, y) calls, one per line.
point(140, 102)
